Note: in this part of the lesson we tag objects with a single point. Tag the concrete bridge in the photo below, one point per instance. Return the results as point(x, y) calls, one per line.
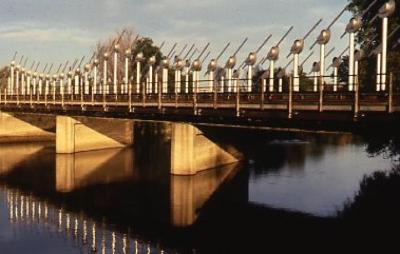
point(82, 122)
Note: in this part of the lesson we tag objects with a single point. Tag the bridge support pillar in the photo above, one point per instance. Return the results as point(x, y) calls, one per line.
point(26, 127)
point(80, 134)
point(192, 152)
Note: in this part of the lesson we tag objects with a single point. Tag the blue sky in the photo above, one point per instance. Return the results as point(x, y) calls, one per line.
point(56, 30)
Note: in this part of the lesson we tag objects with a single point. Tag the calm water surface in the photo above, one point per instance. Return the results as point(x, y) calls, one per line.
point(125, 201)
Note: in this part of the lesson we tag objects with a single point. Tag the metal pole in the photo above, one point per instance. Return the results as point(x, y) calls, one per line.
point(249, 78)
point(94, 88)
point(378, 71)
point(115, 74)
point(137, 77)
point(290, 99)
point(322, 63)
point(351, 61)
point(105, 90)
point(335, 78)
point(390, 97)
point(384, 52)
point(151, 78)
point(271, 76)
point(296, 81)
point(165, 80)
point(126, 73)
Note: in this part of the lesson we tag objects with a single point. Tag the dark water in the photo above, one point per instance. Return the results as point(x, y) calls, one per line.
point(125, 200)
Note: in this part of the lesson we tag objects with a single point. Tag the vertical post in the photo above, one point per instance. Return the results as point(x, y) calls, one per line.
point(280, 84)
point(86, 82)
point(62, 90)
point(115, 77)
point(104, 77)
point(126, 73)
point(335, 78)
point(322, 63)
point(229, 80)
point(384, 52)
point(211, 87)
point(378, 71)
point(315, 88)
point(194, 74)
point(165, 80)
point(151, 78)
point(390, 97)
point(271, 75)
point(249, 78)
point(237, 89)
point(94, 88)
point(356, 71)
point(290, 98)
point(356, 99)
point(296, 81)
point(321, 95)
point(159, 91)
point(17, 80)
point(54, 89)
point(351, 61)
point(187, 80)
point(137, 76)
point(12, 78)
point(214, 90)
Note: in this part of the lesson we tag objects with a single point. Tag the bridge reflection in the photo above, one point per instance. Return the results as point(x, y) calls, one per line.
point(82, 231)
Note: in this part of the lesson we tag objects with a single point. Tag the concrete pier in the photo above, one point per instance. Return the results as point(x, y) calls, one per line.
point(26, 127)
point(192, 152)
point(80, 134)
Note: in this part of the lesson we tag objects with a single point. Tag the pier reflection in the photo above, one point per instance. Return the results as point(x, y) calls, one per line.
point(75, 171)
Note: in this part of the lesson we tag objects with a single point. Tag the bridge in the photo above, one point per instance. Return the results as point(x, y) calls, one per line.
point(85, 110)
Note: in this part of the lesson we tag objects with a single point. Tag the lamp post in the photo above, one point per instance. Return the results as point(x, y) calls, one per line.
point(385, 12)
point(179, 64)
point(151, 62)
point(139, 58)
point(115, 76)
point(352, 27)
point(165, 66)
point(105, 74)
point(11, 88)
point(95, 66)
point(86, 76)
point(212, 66)
point(250, 62)
point(229, 67)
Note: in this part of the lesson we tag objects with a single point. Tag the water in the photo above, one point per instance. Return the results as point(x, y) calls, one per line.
point(125, 201)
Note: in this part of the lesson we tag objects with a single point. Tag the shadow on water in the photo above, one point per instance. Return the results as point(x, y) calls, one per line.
point(126, 198)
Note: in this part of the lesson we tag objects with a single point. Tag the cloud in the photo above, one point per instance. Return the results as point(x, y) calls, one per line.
point(37, 33)
point(43, 26)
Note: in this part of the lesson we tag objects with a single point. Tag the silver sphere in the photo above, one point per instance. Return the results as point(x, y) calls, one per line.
point(106, 55)
point(128, 52)
point(251, 59)
point(354, 24)
point(212, 66)
point(297, 46)
point(165, 63)
point(196, 66)
point(231, 62)
point(13, 63)
point(273, 54)
point(387, 9)
point(152, 60)
point(324, 37)
point(140, 57)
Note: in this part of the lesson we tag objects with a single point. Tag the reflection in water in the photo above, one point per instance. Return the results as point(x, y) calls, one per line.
point(75, 171)
point(190, 193)
point(83, 232)
point(109, 201)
